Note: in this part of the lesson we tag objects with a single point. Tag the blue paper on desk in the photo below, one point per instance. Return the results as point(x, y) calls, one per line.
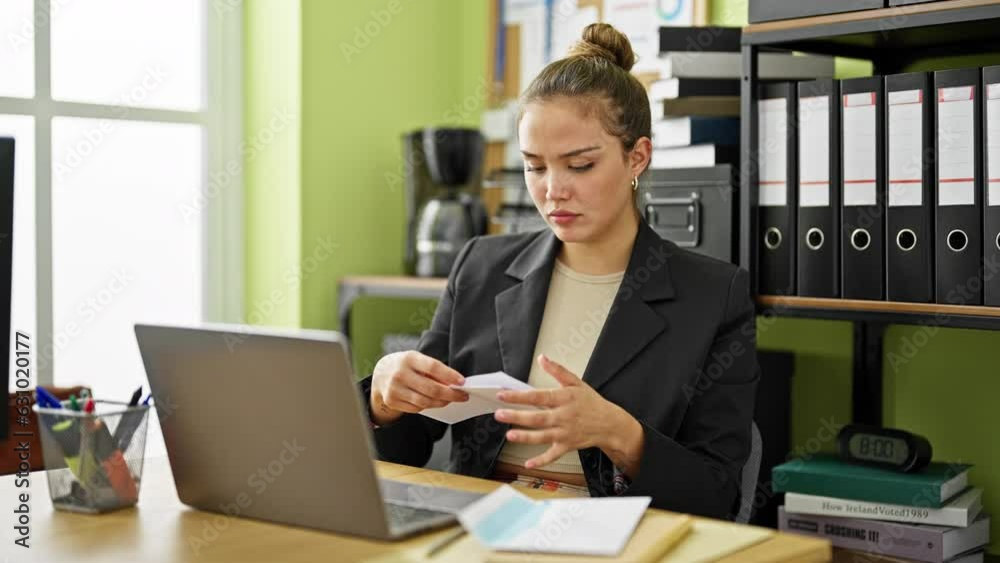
point(506, 520)
point(482, 390)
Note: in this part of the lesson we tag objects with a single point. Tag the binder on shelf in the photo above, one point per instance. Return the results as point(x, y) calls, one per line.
point(694, 130)
point(958, 185)
point(707, 106)
point(991, 207)
point(776, 188)
point(713, 38)
point(819, 188)
point(910, 207)
point(673, 88)
point(862, 188)
point(695, 156)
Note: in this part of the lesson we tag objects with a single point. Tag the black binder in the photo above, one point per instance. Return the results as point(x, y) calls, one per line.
point(819, 188)
point(862, 173)
point(910, 202)
point(776, 209)
point(958, 187)
point(991, 172)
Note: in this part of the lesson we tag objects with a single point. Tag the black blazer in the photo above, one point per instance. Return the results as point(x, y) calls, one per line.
point(677, 352)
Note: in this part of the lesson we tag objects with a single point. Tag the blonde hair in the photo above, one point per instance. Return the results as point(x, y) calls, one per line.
point(596, 73)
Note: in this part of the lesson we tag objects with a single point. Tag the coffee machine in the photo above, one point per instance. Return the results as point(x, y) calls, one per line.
point(444, 210)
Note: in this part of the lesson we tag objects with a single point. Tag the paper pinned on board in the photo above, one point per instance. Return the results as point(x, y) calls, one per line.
point(506, 520)
point(482, 390)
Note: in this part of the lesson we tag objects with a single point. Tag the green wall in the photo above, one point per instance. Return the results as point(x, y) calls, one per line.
point(420, 67)
point(273, 93)
point(326, 199)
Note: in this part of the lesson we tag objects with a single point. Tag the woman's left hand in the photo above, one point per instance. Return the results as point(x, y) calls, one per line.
point(573, 416)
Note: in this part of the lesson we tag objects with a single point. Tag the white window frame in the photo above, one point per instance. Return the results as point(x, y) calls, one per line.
point(222, 119)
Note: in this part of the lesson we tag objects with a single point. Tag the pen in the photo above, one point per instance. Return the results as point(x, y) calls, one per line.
point(46, 400)
point(444, 542)
point(129, 423)
point(146, 401)
point(135, 397)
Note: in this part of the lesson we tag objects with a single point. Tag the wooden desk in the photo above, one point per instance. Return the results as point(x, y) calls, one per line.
point(160, 528)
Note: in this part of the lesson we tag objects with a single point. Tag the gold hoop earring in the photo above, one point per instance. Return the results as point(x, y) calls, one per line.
point(635, 183)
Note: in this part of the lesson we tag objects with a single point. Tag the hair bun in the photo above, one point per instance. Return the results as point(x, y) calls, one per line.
point(603, 41)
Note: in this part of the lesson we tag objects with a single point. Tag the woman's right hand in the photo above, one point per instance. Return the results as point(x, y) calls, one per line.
point(409, 381)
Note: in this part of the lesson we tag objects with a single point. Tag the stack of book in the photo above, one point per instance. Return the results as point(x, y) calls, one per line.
point(696, 100)
point(878, 515)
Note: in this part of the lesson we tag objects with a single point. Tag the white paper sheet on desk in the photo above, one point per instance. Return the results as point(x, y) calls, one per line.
point(482, 390)
point(506, 520)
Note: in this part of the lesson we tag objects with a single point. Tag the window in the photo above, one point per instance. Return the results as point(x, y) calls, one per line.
point(18, 51)
point(146, 53)
point(119, 111)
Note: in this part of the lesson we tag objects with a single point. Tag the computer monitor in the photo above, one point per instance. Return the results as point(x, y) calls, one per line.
point(6, 258)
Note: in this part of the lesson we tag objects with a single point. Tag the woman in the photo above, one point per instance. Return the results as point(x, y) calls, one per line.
point(645, 362)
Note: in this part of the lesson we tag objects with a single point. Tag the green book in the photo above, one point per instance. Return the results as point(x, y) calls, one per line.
point(830, 476)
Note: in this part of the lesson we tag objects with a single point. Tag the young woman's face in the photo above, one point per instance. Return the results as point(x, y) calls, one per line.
point(577, 174)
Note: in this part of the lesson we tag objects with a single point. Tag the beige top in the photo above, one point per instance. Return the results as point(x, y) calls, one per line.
point(575, 310)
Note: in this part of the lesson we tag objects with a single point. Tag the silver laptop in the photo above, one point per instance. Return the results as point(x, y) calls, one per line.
point(268, 424)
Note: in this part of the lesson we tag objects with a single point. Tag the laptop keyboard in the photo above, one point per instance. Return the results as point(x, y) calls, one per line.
point(423, 496)
point(400, 515)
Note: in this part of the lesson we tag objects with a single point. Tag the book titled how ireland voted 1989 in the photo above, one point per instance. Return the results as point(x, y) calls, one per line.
point(960, 511)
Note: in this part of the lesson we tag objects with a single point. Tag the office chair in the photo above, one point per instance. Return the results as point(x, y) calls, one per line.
point(748, 476)
point(440, 459)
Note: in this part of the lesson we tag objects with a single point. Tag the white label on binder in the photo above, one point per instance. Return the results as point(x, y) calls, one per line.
point(905, 137)
point(860, 149)
point(905, 97)
point(772, 151)
point(993, 144)
point(956, 146)
point(814, 151)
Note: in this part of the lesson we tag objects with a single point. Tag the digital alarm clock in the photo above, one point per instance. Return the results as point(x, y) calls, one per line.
point(890, 448)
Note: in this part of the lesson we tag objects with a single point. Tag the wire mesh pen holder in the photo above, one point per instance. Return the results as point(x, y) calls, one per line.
point(94, 460)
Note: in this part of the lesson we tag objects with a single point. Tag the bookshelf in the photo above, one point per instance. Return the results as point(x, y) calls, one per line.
point(892, 39)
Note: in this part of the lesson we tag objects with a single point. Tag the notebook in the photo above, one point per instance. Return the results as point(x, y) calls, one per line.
point(656, 534)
